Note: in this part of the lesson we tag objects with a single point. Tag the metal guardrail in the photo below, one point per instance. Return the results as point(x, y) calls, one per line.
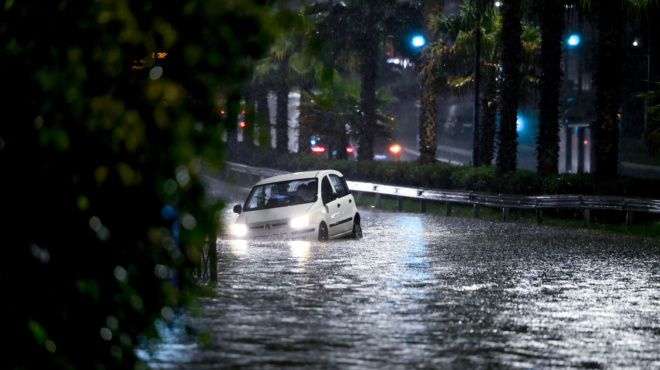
point(503, 201)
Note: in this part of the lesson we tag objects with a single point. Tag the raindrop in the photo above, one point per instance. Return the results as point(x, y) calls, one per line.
point(40, 253)
point(112, 322)
point(103, 234)
point(106, 334)
point(50, 346)
point(170, 186)
point(160, 271)
point(125, 340)
point(167, 313)
point(95, 223)
point(182, 176)
point(38, 122)
point(121, 274)
point(188, 221)
point(136, 302)
point(156, 73)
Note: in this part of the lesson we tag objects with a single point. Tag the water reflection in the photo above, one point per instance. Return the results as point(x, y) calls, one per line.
point(300, 250)
point(239, 247)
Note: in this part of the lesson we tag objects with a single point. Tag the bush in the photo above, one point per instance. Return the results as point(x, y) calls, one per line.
point(439, 175)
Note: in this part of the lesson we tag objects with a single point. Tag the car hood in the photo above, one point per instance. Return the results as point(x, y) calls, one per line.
point(273, 214)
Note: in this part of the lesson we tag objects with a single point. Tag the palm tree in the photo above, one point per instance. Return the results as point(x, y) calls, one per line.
point(281, 69)
point(610, 22)
point(547, 143)
point(460, 32)
point(510, 91)
point(429, 74)
point(331, 111)
point(359, 26)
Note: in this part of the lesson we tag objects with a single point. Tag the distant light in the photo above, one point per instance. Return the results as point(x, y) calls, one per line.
point(349, 149)
point(520, 123)
point(318, 149)
point(242, 124)
point(498, 3)
point(396, 148)
point(635, 43)
point(569, 100)
point(574, 40)
point(312, 141)
point(586, 142)
point(418, 41)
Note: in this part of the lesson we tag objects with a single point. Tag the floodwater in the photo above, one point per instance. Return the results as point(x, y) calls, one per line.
point(425, 291)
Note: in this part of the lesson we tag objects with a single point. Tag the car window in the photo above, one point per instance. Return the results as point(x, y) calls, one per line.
point(340, 186)
point(281, 194)
point(326, 189)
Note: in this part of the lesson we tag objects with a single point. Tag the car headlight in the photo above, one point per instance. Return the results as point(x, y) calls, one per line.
point(238, 229)
point(299, 222)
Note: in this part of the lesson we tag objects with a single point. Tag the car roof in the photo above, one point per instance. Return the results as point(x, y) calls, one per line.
point(299, 176)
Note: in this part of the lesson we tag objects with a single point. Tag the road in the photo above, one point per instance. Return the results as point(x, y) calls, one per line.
point(426, 291)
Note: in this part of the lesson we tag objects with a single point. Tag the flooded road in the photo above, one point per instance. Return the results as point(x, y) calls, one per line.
point(425, 291)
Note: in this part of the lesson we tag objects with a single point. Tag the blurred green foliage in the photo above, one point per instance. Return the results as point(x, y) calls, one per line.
point(99, 134)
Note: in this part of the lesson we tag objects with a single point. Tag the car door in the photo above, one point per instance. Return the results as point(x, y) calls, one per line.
point(344, 204)
point(333, 206)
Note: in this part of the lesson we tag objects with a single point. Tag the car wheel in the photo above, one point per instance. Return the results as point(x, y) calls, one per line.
point(323, 232)
point(357, 231)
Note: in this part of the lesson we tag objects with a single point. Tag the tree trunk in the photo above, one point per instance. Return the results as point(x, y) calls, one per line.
point(428, 115)
point(488, 118)
point(427, 120)
point(282, 119)
point(547, 142)
point(263, 117)
point(510, 94)
point(231, 124)
point(608, 87)
point(368, 74)
point(477, 81)
point(249, 118)
point(304, 129)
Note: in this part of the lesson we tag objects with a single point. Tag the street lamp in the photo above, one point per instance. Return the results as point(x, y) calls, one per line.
point(418, 41)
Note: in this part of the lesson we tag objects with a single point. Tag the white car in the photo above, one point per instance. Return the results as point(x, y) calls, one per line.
point(312, 205)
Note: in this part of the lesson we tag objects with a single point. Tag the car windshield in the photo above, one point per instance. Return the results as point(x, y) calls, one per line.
point(282, 194)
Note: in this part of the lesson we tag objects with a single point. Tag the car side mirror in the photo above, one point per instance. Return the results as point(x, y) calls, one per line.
point(238, 209)
point(330, 197)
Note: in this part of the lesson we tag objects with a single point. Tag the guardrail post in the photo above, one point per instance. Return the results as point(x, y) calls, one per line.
point(399, 204)
point(475, 211)
point(587, 217)
point(359, 198)
point(377, 202)
point(422, 206)
point(448, 210)
point(629, 218)
point(505, 214)
point(539, 216)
